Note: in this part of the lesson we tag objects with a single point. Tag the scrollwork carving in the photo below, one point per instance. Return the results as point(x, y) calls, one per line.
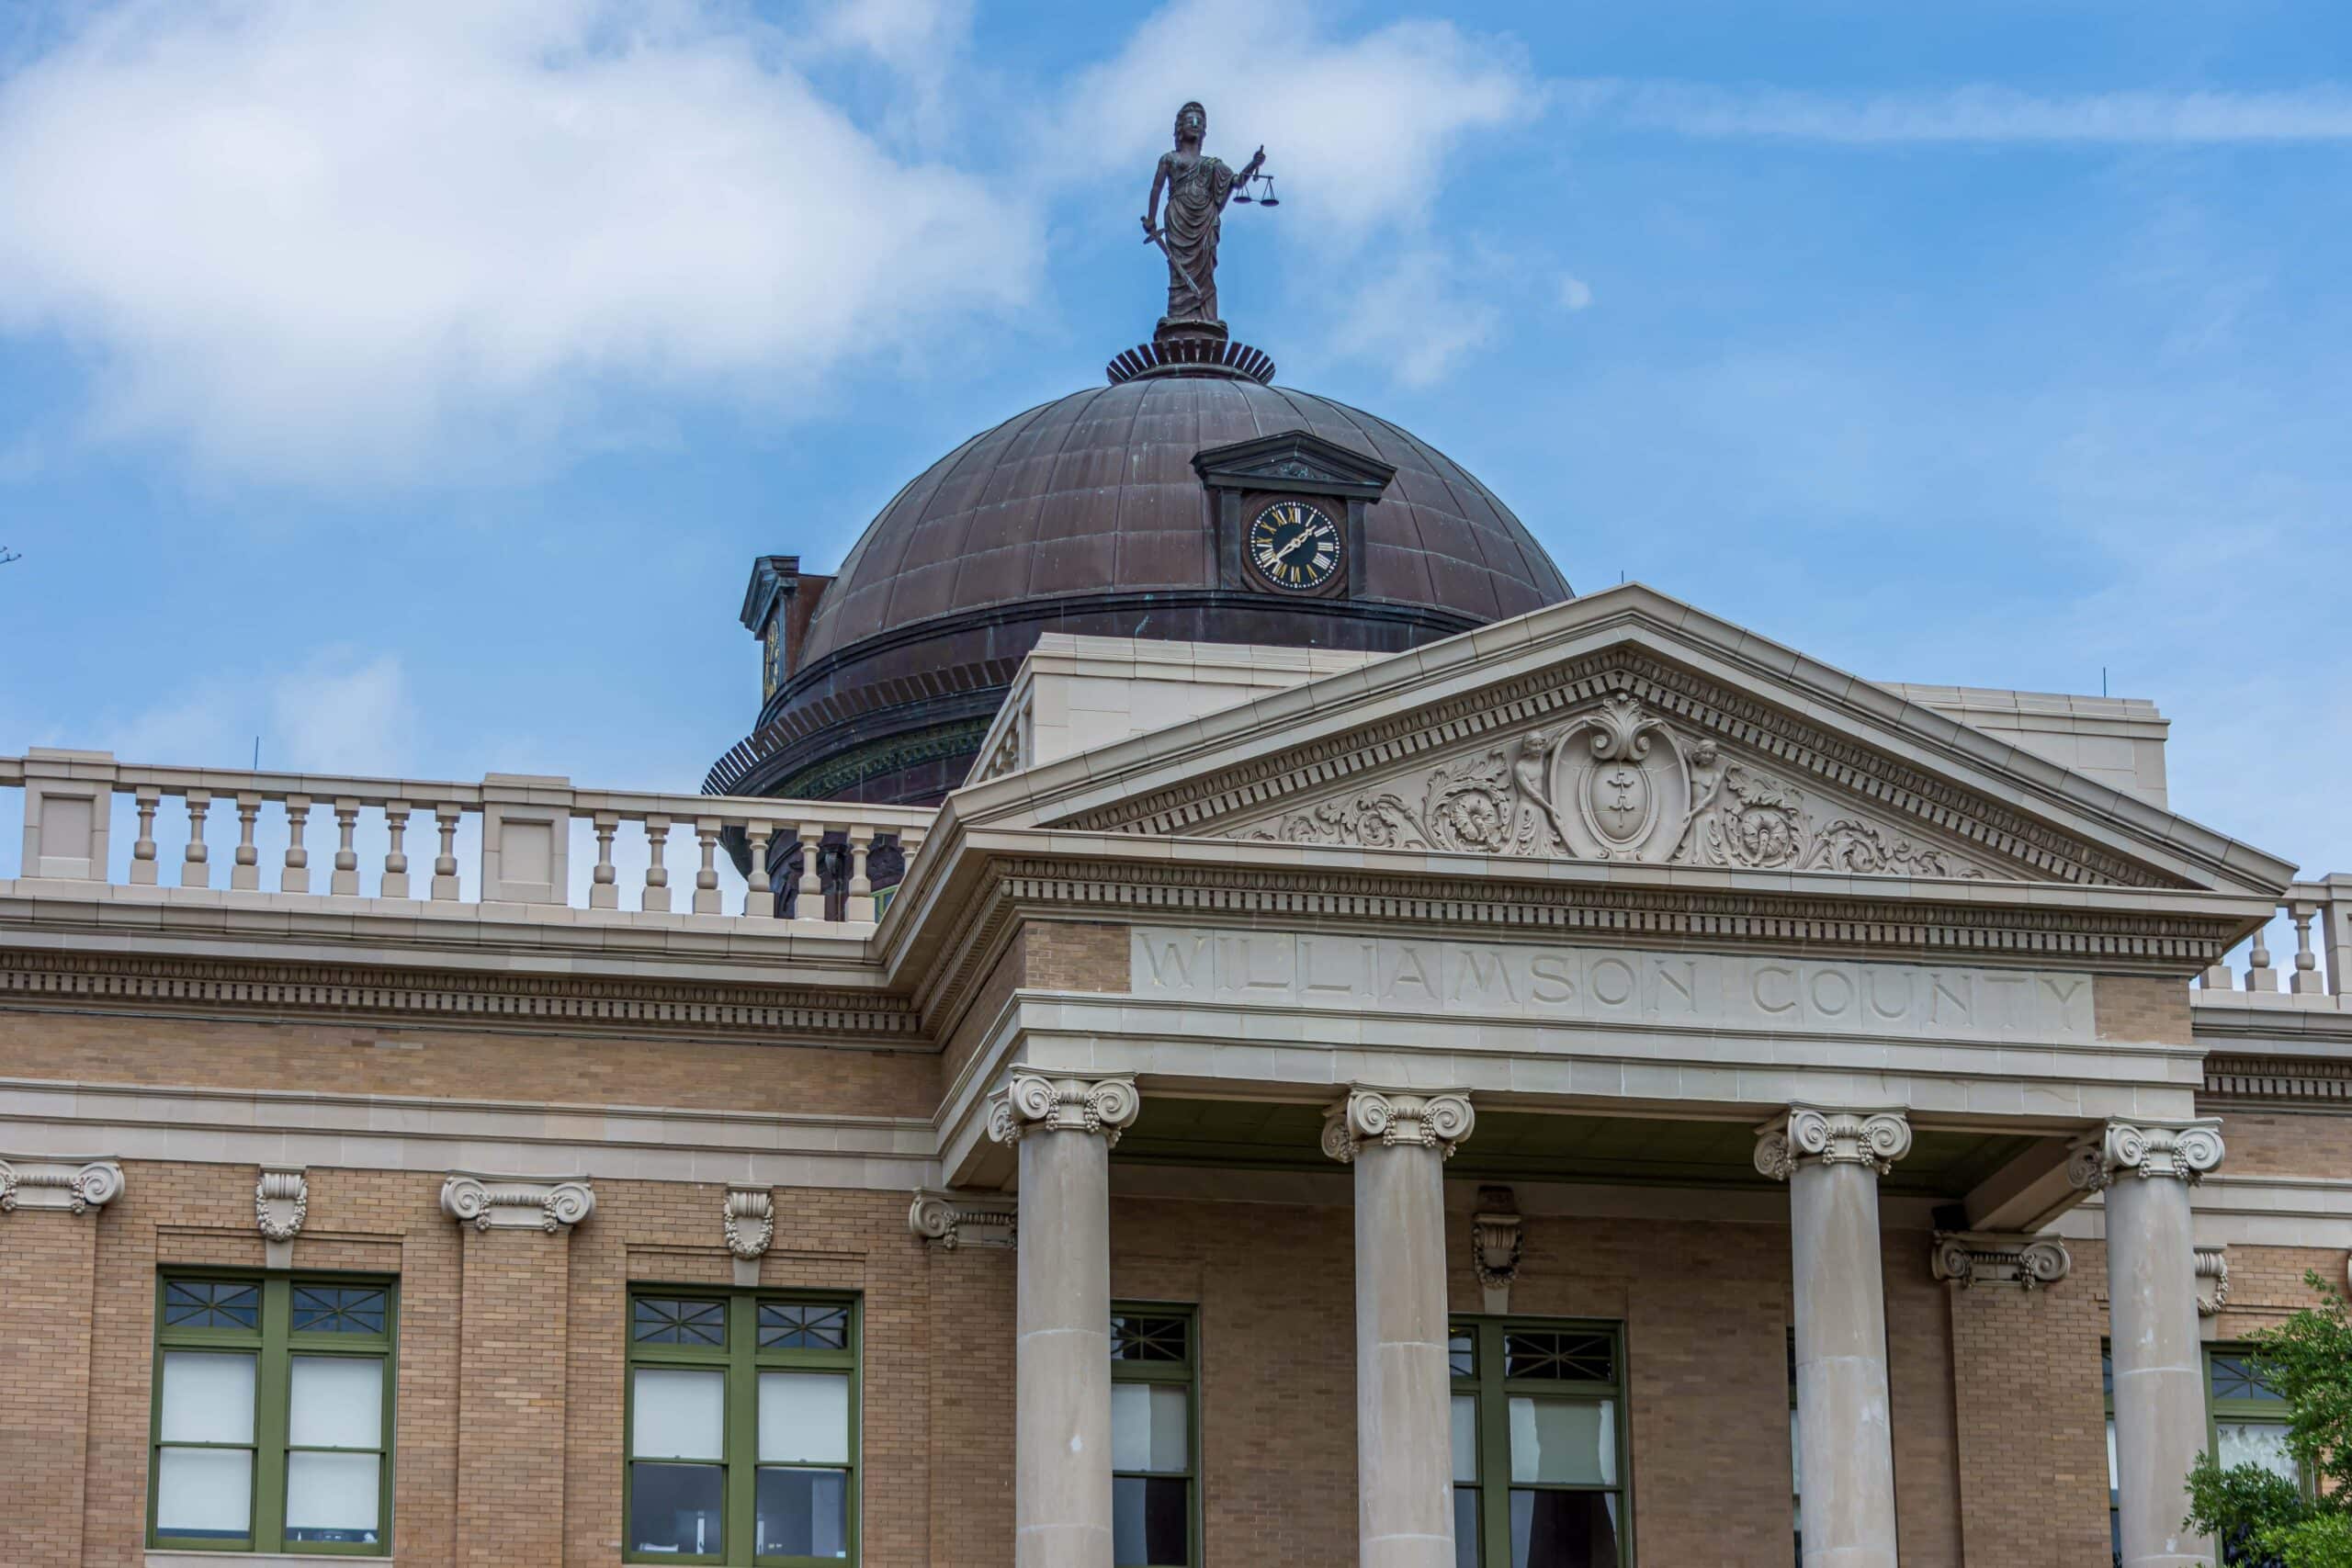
point(747, 1221)
point(1439, 1121)
point(281, 1201)
point(2183, 1151)
point(75, 1186)
point(553, 1207)
point(2028, 1262)
point(1810, 1133)
point(954, 1219)
point(1034, 1102)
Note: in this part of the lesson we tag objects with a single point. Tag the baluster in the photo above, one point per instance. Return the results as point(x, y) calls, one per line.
point(811, 906)
point(603, 883)
point(759, 898)
point(143, 854)
point(861, 890)
point(395, 883)
point(446, 816)
point(2259, 976)
point(706, 879)
point(2305, 982)
point(657, 879)
point(910, 841)
point(346, 857)
point(245, 872)
point(193, 872)
point(295, 876)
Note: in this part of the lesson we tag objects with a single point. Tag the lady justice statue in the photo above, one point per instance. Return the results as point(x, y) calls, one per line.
point(1198, 187)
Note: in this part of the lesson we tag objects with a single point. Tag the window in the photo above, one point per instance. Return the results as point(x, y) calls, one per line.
point(1538, 1445)
point(272, 1425)
point(2246, 1422)
point(743, 1427)
point(1153, 1457)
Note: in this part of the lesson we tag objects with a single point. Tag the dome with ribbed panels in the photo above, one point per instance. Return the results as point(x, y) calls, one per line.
point(1085, 515)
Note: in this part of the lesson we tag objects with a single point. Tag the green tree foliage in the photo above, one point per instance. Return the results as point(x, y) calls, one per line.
point(2262, 1518)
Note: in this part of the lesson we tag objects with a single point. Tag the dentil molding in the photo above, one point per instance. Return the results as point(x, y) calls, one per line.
point(1440, 1120)
point(76, 1186)
point(500, 1203)
point(963, 1219)
point(1808, 1134)
point(1972, 1258)
point(1034, 1102)
point(2181, 1150)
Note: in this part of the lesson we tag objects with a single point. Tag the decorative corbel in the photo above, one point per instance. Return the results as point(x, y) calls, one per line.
point(76, 1186)
point(1496, 1245)
point(2214, 1264)
point(961, 1218)
point(281, 1203)
point(747, 1221)
point(1972, 1258)
point(500, 1203)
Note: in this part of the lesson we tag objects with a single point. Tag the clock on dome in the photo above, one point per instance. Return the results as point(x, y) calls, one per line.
point(1295, 546)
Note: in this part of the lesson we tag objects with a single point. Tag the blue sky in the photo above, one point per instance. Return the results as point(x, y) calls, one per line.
point(410, 384)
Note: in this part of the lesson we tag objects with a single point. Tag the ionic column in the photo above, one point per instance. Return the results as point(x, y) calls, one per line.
point(1061, 1440)
point(1399, 1144)
point(2146, 1170)
point(1832, 1160)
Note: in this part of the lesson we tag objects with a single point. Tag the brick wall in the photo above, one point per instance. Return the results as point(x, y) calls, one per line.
point(2141, 1008)
point(46, 1260)
point(2286, 1143)
point(1051, 955)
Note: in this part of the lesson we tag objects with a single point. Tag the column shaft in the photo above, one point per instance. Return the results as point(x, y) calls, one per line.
point(1404, 1443)
point(2159, 1369)
point(1845, 1438)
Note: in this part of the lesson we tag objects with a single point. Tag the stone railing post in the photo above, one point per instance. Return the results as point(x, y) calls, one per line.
point(1398, 1143)
point(1832, 1160)
point(1064, 1129)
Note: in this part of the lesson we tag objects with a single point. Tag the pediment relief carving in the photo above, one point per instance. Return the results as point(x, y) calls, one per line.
point(1615, 780)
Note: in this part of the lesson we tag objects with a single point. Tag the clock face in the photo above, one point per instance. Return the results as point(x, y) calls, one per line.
point(1295, 546)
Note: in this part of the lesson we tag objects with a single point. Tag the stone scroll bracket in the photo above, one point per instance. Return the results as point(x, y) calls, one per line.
point(2212, 1281)
point(502, 1202)
point(281, 1203)
point(747, 1222)
point(1969, 1258)
point(1033, 1101)
point(1430, 1119)
point(1811, 1135)
point(953, 1220)
point(76, 1186)
point(1496, 1245)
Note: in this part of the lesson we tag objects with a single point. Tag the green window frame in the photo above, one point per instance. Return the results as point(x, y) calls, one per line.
point(1542, 1453)
point(1155, 1466)
point(2234, 1397)
point(259, 1393)
point(752, 1403)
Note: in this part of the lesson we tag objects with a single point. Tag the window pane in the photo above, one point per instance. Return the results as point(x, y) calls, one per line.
point(1465, 1527)
point(803, 1513)
point(1542, 1353)
point(330, 1497)
point(2114, 1483)
point(660, 1320)
point(204, 1492)
point(680, 1414)
point(675, 1507)
point(338, 1309)
point(2255, 1442)
point(1461, 1352)
point(803, 1418)
point(1466, 1436)
point(1563, 1439)
point(208, 1397)
point(1563, 1529)
point(337, 1403)
point(210, 1303)
point(1152, 1521)
point(2234, 1379)
point(795, 1325)
point(1135, 1337)
point(1150, 1428)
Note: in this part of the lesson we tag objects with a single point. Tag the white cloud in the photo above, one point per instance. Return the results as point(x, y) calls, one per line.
point(328, 239)
point(1357, 132)
point(922, 43)
point(1970, 114)
point(1575, 294)
point(339, 711)
point(1416, 320)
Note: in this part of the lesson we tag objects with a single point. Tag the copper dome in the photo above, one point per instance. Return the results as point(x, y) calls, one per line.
point(1086, 515)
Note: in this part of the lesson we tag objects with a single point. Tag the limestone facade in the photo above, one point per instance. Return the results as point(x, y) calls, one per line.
point(1851, 1071)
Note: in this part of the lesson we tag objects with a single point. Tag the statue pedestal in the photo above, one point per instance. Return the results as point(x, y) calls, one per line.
point(1172, 331)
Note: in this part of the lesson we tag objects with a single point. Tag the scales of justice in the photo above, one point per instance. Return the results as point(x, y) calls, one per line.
point(1197, 187)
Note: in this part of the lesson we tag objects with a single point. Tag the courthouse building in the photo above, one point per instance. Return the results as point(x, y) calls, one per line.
point(1219, 1015)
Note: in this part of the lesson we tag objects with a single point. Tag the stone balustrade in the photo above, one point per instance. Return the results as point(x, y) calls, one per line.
point(2316, 974)
point(821, 859)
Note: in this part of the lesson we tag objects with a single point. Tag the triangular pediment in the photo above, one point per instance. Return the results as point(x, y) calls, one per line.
point(1294, 458)
point(1626, 727)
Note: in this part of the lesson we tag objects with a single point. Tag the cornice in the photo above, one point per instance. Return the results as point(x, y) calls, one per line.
point(585, 1004)
point(1203, 804)
point(2305, 1082)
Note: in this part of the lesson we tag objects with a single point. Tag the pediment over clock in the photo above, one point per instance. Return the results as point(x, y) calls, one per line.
point(1294, 460)
point(1627, 727)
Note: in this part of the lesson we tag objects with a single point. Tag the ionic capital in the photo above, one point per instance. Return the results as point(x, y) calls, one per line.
point(961, 1218)
point(1439, 1120)
point(76, 1186)
point(1033, 1103)
point(1976, 1259)
point(499, 1202)
point(1815, 1134)
point(2182, 1150)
